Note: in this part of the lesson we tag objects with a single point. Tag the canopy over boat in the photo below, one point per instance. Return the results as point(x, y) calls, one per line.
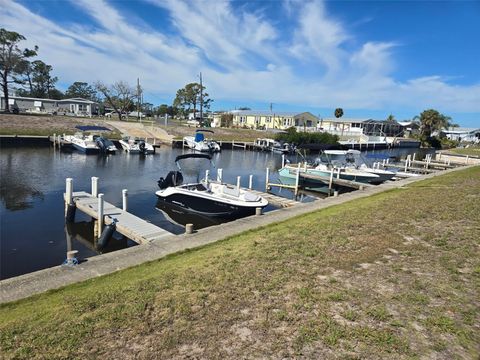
point(194, 156)
point(204, 130)
point(92, 128)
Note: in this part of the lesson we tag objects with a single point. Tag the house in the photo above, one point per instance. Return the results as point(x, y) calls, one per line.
point(357, 127)
point(72, 107)
point(463, 134)
point(273, 120)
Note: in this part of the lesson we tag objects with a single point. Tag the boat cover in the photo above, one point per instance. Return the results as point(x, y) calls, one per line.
point(203, 130)
point(199, 137)
point(92, 128)
point(186, 156)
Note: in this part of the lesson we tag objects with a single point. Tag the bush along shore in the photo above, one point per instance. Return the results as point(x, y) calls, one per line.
point(394, 275)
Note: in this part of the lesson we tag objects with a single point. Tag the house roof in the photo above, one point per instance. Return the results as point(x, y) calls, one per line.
point(458, 130)
point(81, 100)
point(78, 100)
point(346, 120)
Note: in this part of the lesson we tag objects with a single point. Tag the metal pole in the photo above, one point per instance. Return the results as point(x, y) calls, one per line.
point(94, 186)
point(100, 214)
point(124, 199)
point(250, 182)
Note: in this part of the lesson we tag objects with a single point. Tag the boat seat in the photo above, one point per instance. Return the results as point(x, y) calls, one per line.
point(250, 197)
point(230, 191)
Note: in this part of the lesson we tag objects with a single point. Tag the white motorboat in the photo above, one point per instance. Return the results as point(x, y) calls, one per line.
point(83, 143)
point(208, 198)
point(105, 145)
point(136, 146)
point(199, 143)
point(354, 159)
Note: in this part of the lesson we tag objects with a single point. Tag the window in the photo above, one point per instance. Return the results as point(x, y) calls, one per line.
point(268, 119)
point(243, 119)
point(257, 119)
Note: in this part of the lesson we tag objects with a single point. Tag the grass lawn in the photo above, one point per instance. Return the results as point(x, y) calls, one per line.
point(395, 275)
point(472, 151)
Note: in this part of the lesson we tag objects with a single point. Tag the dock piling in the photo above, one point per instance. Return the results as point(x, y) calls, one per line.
point(124, 199)
point(297, 179)
point(258, 211)
point(267, 175)
point(238, 182)
point(100, 215)
point(207, 175)
point(219, 175)
point(94, 186)
point(69, 191)
point(330, 182)
point(335, 193)
point(250, 182)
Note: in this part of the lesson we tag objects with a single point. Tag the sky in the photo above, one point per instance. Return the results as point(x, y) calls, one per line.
point(370, 58)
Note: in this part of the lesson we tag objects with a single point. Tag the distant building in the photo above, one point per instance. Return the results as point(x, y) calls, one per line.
point(356, 127)
point(73, 106)
point(463, 134)
point(273, 120)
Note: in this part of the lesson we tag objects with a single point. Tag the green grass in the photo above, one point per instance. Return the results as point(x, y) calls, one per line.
point(292, 289)
point(472, 150)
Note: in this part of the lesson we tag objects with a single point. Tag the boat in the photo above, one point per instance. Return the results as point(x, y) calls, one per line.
point(282, 148)
point(199, 143)
point(326, 166)
point(83, 142)
point(207, 197)
point(136, 145)
point(263, 144)
point(354, 159)
point(105, 145)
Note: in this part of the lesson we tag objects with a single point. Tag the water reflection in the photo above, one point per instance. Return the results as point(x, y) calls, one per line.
point(180, 216)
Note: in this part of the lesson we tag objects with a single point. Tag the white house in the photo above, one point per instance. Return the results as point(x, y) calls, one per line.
point(463, 134)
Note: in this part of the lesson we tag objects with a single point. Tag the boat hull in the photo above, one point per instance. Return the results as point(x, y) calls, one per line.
point(87, 151)
point(208, 207)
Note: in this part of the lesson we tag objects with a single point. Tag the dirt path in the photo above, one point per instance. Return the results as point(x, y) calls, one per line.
point(141, 130)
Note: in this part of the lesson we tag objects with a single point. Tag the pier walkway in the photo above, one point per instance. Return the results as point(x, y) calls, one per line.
point(127, 224)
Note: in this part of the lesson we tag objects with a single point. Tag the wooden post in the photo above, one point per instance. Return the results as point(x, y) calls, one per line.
point(250, 182)
point(267, 174)
point(100, 215)
point(406, 163)
point(297, 179)
point(219, 175)
point(238, 182)
point(124, 199)
point(413, 157)
point(94, 186)
point(330, 182)
point(207, 175)
point(69, 191)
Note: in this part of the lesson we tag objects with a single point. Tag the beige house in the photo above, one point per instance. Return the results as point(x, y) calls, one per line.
point(273, 120)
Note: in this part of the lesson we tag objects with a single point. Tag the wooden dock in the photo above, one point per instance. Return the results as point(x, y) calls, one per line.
point(274, 199)
point(127, 224)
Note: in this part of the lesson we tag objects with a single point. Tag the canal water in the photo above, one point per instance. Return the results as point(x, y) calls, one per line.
point(33, 233)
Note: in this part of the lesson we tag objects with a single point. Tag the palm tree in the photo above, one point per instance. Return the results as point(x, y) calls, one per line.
point(338, 112)
point(431, 120)
point(391, 118)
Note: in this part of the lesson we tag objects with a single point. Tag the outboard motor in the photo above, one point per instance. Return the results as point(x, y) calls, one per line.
point(141, 146)
point(173, 178)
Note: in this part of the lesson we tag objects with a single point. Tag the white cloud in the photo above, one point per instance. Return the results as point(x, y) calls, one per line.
point(244, 56)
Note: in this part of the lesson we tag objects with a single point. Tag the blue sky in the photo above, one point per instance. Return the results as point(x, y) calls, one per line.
point(372, 58)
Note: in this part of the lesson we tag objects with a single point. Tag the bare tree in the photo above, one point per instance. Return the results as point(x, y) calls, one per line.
point(120, 96)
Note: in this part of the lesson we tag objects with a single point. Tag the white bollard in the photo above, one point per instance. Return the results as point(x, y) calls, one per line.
point(238, 182)
point(250, 182)
point(100, 214)
point(69, 191)
point(94, 186)
point(124, 199)
point(189, 229)
point(207, 175)
point(219, 175)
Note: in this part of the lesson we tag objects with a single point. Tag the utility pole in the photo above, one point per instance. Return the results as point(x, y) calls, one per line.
point(201, 100)
point(138, 98)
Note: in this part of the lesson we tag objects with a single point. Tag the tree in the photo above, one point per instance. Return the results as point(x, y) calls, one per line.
point(120, 96)
point(391, 118)
point(42, 81)
point(81, 90)
point(190, 97)
point(13, 60)
point(338, 112)
point(431, 120)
